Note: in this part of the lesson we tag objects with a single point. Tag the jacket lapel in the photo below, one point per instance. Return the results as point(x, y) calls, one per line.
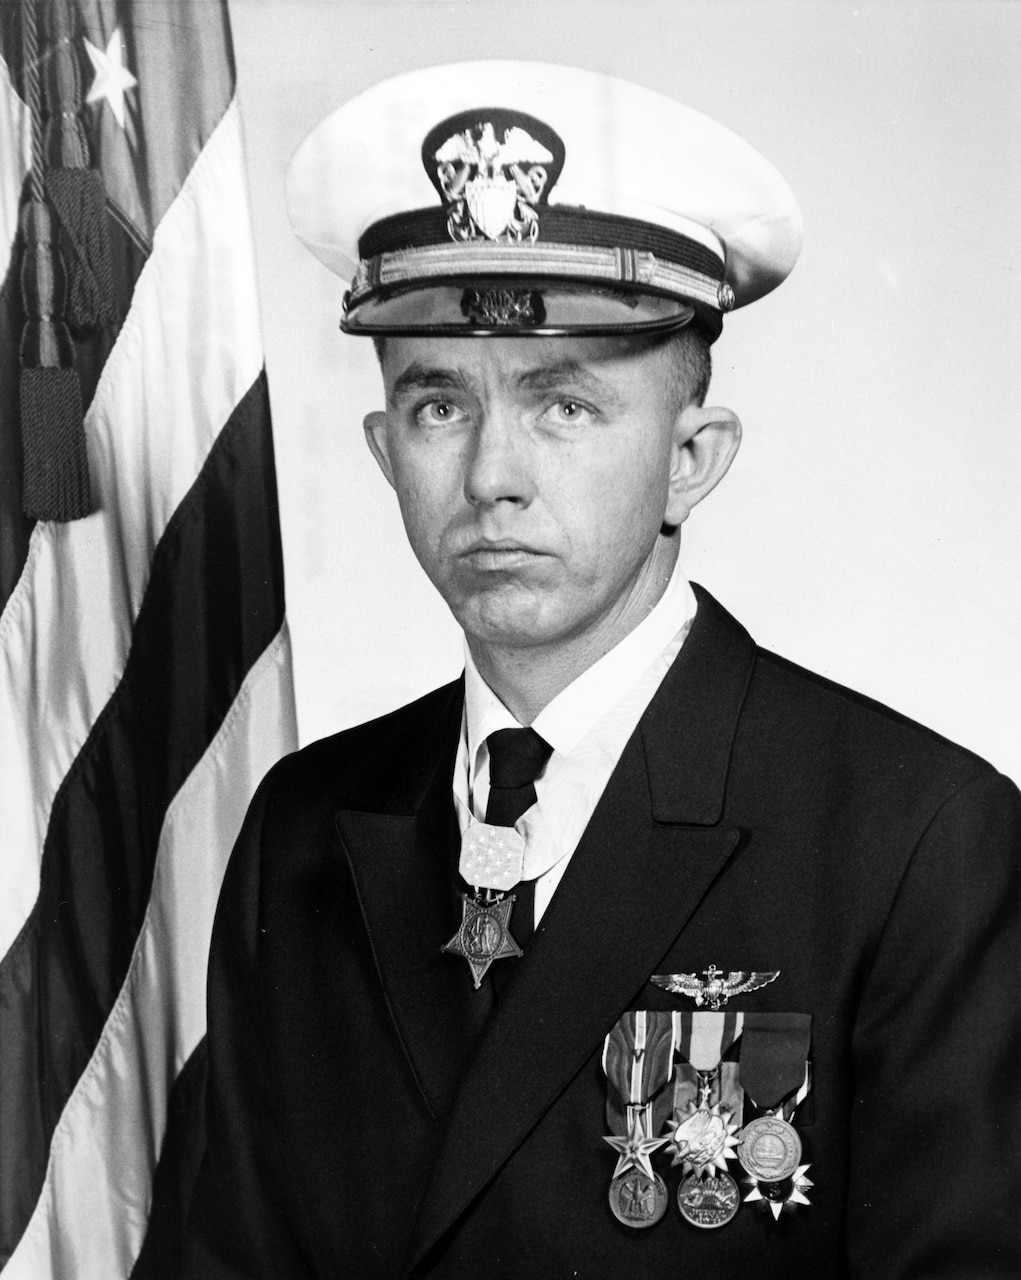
point(643, 865)
point(404, 865)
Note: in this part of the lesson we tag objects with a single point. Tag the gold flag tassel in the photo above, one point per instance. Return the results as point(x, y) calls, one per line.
point(56, 468)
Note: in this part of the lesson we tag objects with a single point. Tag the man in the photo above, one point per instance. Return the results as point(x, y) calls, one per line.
point(639, 950)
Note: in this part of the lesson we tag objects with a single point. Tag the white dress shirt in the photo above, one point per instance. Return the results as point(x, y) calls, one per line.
point(587, 724)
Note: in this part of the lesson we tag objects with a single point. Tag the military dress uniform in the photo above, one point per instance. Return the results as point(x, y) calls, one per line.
point(766, 1023)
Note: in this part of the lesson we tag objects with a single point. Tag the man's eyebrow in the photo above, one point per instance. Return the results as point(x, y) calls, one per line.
point(567, 373)
point(560, 373)
point(420, 377)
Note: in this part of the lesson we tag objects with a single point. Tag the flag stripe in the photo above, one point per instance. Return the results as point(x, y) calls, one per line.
point(15, 526)
point(187, 661)
point(145, 681)
point(181, 54)
point(14, 127)
point(91, 1216)
point(187, 353)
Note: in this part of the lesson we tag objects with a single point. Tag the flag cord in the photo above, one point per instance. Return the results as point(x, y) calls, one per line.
point(55, 464)
point(30, 64)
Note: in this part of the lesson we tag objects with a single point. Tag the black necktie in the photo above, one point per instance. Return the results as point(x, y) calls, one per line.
point(516, 758)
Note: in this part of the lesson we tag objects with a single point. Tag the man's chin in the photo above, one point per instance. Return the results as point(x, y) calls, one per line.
point(507, 618)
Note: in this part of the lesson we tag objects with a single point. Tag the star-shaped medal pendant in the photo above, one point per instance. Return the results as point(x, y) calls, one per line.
point(636, 1146)
point(778, 1196)
point(484, 934)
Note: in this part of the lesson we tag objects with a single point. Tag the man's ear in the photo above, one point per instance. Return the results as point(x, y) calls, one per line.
point(705, 442)
point(379, 442)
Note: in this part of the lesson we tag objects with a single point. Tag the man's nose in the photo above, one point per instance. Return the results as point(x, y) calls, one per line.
point(498, 466)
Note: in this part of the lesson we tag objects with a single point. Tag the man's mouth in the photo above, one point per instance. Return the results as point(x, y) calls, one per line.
point(499, 554)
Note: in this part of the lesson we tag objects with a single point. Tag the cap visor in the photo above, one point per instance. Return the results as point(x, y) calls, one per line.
point(499, 307)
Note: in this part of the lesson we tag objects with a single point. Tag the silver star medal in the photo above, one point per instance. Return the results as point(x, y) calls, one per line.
point(638, 1195)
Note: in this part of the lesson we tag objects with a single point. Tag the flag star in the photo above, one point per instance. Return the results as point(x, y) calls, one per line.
point(113, 78)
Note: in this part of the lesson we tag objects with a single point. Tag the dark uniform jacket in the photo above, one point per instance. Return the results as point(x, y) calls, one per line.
point(372, 1115)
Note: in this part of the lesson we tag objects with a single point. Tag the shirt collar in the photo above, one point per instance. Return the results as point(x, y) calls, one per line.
point(565, 720)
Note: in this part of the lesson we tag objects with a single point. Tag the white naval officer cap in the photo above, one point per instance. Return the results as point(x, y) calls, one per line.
point(524, 198)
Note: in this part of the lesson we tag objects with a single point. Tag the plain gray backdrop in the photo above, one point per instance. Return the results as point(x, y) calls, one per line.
point(870, 527)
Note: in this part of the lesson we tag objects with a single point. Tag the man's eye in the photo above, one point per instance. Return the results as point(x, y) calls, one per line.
point(568, 411)
point(438, 413)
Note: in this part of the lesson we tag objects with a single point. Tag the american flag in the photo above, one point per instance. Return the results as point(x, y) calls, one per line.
point(145, 677)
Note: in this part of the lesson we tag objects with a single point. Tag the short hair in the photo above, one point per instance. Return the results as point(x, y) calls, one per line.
point(690, 350)
point(693, 364)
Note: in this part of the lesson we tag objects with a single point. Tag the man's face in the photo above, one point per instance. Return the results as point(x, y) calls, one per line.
point(534, 478)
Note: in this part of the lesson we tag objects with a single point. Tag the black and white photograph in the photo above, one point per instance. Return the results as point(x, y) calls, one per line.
point(510, 570)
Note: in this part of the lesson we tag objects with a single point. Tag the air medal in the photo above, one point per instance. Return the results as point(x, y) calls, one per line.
point(707, 1112)
point(708, 1202)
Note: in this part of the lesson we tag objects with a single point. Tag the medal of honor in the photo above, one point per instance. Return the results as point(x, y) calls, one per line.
point(484, 934)
point(770, 1149)
point(708, 1202)
point(492, 856)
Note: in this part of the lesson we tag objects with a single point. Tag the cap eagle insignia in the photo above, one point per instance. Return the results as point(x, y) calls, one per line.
point(492, 169)
point(713, 989)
